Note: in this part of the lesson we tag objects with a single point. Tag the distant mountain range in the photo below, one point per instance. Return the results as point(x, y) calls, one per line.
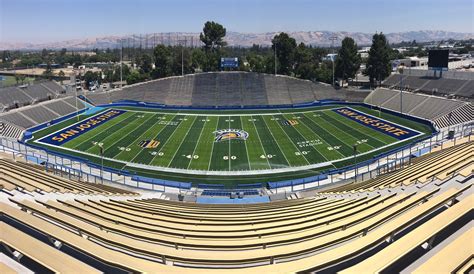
point(318, 38)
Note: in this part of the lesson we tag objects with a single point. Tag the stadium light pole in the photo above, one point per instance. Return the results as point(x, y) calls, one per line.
point(182, 54)
point(101, 151)
point(355, 161)
point(400, 70)
point(333, 38)
point(275, 52)
point(121, 61)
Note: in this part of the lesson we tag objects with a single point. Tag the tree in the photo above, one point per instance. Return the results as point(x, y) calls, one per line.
point(48, 73)
point(61, 74)
point(134, 77)
point(285, 51)
point(91, 77)
point(212, 36)
point(378, 63)
point(348, 59)
point(198, 59)
point(162, 62)
point(324, 72)
point(305, 65)
point(145, 63)
point(256, 62)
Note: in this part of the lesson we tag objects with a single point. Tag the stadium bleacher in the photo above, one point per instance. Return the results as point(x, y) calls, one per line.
point(30, 116)
point(437, 165)
point(431, 85)
point(227, 89)
point(443, 112)
point(14, 97)
point(171, 240)
point(334, 229)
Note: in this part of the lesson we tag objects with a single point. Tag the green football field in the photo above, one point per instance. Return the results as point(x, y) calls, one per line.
point(207, 144)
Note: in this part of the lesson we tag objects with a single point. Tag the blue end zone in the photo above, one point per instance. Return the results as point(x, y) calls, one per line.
point(69, 133)
point(386, 127)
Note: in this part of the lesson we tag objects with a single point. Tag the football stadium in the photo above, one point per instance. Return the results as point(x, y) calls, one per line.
point(235, 170)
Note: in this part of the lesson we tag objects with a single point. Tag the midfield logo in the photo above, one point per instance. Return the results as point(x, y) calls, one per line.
point(230, 134)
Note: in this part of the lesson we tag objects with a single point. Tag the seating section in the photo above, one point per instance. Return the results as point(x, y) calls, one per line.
point(431, 85)
point(53, 224)
point(444, 112)
point(436, 165)
point(462, 114)
point(10, 130)
point(21, 176)
point(15, 97)
point(233, 89)
point(29, 116)
point(279, 237)
point(40, 252)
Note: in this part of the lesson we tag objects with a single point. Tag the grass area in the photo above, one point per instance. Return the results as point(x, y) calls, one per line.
point(11, 81)
point(167, 144)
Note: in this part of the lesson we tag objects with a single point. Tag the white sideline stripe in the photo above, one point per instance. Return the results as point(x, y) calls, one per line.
point(381, 119)
point(343, 121)
point(224, 115)
point(242, 172)
point(70, 125)
point(107, 127)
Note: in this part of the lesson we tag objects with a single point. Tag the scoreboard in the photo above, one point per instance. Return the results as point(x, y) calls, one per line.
point(229, 62)
point(438, 59)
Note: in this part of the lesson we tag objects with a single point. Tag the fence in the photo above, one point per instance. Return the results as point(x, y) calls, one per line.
point(79, 168)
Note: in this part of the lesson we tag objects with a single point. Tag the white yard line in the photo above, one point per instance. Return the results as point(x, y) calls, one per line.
point(212, 149)
point(261, 144)
point(277, 112)
point(291, 140)
point(182, 141)
point(141, 136)
point(120, 139)
point(245, 144)
point(271, 133)
point(100, 113)
point(228, 173)
point(349, 145)
point(317, 136)
point(169, 138)
point(353, 128)
point(197, 143)
point(229, 151)
point(131, 161)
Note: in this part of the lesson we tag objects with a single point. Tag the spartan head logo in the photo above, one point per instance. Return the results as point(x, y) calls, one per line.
point(230, 134)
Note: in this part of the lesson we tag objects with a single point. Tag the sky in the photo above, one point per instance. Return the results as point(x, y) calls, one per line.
point(55, 20)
